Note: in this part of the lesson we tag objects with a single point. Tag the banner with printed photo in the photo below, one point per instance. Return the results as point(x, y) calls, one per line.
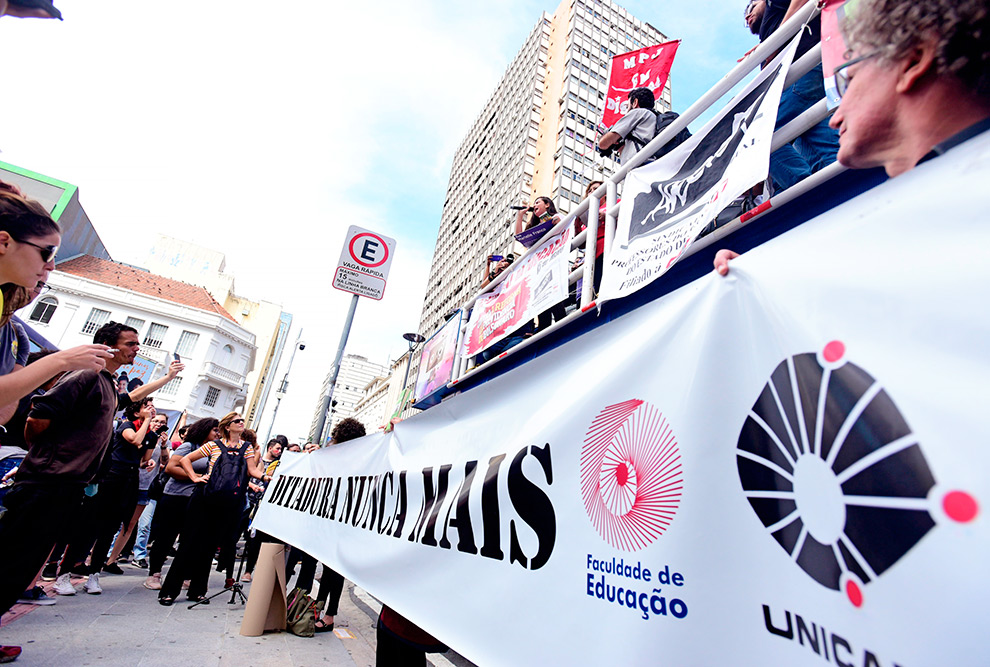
point(436, 361)
point(666, 204)
point(644, 68)
point(533, 285)
point(785, 466)
point(141, 372)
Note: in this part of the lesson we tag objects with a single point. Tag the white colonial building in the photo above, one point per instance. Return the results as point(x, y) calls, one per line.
point(171, 317)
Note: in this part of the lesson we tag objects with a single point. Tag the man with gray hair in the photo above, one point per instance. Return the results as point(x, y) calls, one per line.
point(915, 85)
point(917, 81)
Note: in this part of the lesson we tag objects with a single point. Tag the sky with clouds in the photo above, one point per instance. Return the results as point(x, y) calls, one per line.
point(265, 130)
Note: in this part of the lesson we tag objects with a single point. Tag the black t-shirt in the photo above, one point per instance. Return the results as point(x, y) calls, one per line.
point(123, 454)
point(773, 16)
point(80, 409)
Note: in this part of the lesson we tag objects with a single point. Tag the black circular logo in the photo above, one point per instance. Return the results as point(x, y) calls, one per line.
point(834, 473)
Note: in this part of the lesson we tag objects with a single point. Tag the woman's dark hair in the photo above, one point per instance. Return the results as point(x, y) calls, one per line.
point(199, 431)
point(134, 384)
point(25, 219)
point(250, 436)
point(551, 211)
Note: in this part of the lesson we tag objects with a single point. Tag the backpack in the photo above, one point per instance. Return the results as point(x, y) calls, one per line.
point(228, 477)
point(663, 120)
point(300, 614)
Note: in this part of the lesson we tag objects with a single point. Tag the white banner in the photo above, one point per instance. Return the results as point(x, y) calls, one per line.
point(534, 284)
point(666, 204)
point(787, 466)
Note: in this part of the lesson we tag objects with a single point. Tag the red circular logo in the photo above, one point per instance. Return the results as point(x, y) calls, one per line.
point(377, 247)
point(631, 478)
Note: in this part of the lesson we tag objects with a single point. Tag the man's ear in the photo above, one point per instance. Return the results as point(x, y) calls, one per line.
point(915, 66)
point(5, 239)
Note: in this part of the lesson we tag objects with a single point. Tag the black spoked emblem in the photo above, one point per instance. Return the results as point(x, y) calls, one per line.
point(834, 473)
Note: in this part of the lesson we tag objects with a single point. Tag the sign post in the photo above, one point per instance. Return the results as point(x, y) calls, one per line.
point(362, 270)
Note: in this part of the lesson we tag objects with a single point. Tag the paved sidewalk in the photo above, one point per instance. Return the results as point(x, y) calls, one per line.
point(126, 626)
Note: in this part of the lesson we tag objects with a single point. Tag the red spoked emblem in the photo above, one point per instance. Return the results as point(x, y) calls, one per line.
point(631, 477)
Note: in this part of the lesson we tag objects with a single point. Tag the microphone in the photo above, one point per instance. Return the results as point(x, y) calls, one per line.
point(518, 208)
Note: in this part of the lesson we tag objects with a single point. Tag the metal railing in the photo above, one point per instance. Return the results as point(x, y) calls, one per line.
point(586, 239)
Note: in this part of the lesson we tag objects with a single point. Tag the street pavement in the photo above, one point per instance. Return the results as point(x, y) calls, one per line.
point(126, 626)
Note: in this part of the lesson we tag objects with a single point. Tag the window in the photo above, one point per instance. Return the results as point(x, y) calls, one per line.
point(135, 322)
point(155, 335)
point(187, 343)
point(97, 318)
point(44, 310)
point(172, 388)
point(212, 394)
point(225, 357)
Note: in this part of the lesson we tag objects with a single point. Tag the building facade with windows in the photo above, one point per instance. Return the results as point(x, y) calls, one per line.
point(356, 373)
point(195, 264)
point(171, 317)
point(535, 136)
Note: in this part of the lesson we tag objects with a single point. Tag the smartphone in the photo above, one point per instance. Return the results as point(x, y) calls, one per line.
point(175, 355)
point(496, 258)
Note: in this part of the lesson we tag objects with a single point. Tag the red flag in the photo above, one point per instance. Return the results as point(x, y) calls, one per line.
point(645, 68)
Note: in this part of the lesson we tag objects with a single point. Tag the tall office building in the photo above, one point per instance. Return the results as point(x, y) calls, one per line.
point(534, 137)
point(356, 372)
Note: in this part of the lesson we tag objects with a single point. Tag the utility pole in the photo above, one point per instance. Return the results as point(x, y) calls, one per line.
point(282, 388)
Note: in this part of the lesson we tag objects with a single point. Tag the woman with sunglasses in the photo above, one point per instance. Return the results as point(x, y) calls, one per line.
point(216, 510)
point(29, 240)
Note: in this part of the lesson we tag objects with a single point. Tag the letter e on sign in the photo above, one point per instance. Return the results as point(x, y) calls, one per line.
point(364, 263)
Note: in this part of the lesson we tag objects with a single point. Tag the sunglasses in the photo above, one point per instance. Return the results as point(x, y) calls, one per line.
point(237, 421)
point(48, 252)
point(841, 72)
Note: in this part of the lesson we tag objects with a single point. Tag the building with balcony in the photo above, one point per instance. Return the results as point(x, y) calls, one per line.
point(194, 264)
point(172, 318)
point(535, 136)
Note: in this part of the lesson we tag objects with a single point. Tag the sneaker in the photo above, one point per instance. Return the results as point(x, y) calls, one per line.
point(9, 653)
point(36, 596)
point(63, 585)
point(50, 573)
point(93, 584)
point(140, 563)
point(112, 568)
point(154, 582)
point(246, 577)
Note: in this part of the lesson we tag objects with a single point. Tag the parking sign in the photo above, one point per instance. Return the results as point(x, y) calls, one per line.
point(364, 263)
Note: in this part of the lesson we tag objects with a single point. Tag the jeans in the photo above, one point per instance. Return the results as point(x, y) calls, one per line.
point(814, 149)
point(144, 531)
point(6, 465)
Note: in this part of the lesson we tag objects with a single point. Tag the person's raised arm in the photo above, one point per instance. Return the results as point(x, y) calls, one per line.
point(15, 386)
point(146, 390)
point(136, 438)
point(488, 272)
point(520, 227)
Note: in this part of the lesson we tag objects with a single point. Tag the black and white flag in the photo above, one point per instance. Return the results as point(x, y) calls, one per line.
point(666, 204)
